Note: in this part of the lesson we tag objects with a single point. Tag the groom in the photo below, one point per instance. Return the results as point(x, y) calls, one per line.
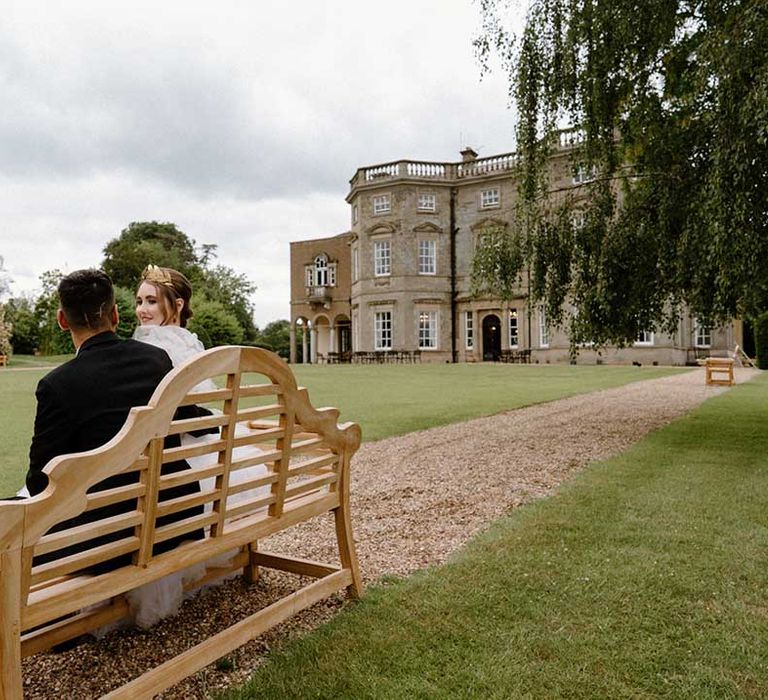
point(83, 403)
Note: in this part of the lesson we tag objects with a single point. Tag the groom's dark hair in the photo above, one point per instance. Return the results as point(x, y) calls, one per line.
point(87, 299)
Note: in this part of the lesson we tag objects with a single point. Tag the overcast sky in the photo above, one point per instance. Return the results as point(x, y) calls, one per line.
point(240, 122)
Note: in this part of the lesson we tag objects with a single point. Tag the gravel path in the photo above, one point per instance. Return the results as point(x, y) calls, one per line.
point(415, 500)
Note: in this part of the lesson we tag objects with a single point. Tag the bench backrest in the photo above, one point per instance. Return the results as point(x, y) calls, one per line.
point(305, 452)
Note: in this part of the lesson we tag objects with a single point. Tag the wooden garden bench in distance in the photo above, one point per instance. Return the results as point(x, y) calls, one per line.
point(307, 454)
point(719, 370)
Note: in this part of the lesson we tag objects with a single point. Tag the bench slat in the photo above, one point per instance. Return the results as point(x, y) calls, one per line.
point(99, 499)
point(176, 505)
point(81, 623)
point(184, 527)
point(82, 533)
point(71, 594)
point(311, 484)
point(249, 507)
point(254, 413)
point(201, 397)
point(312, 464)
point(84, 560)
point(251, 390)
point(187, 425)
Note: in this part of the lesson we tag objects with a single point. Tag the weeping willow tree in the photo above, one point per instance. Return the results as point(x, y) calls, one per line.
point(670, 103)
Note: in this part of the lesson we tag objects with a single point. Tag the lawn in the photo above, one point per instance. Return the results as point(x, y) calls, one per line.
point(643, 577)
point(385, 399)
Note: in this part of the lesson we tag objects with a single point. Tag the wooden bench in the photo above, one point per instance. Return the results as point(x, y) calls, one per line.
point(3, 360)
point(719, 371)
point(307, 456)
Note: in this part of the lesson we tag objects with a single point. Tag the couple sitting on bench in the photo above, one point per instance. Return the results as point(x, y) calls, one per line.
point(84, 403)
point(122, 515)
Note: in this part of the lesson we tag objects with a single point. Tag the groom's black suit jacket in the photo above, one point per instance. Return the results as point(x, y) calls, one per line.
point(82, 404)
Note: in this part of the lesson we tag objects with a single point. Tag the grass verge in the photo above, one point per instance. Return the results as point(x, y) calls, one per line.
point(644, 577)
point(385, 399)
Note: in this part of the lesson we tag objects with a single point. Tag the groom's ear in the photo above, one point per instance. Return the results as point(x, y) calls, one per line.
point(61, 319)
point(115, 316)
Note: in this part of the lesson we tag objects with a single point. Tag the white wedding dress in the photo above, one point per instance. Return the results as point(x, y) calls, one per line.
point(160, 599)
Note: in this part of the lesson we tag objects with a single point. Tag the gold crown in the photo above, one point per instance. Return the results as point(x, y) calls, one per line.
point(157, 275)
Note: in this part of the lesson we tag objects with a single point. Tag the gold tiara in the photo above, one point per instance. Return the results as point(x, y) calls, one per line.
point(157, 275)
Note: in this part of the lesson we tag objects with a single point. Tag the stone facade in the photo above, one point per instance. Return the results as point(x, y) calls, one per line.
point(320, 297)
point(404, 272)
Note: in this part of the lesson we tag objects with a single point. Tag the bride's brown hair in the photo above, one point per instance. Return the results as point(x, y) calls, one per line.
point(170, 285)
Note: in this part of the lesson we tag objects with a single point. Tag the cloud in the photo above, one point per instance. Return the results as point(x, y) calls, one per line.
point(242, 122)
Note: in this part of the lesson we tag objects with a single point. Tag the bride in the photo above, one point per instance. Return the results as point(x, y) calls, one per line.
point(163, 309)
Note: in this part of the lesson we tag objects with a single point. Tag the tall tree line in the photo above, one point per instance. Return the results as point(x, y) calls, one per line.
point(223, 312)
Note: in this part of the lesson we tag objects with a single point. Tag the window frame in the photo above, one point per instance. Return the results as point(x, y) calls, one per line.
point(580, 176)
point(427, 332)
point(544, 330)
point(355, 263)
point(513, 316)
point(700, 331)
point(469, 330)
point(648, 340)
point(381, 204)
point(320, 274)
point(382, 264)
point(429, 243)
point(426, 201)
point(487, 202)
point(383, 325)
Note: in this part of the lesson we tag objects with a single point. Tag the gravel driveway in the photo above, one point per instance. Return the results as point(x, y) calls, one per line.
point(415, 500)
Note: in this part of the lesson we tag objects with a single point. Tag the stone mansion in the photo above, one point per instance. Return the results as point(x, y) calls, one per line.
point(399, 279)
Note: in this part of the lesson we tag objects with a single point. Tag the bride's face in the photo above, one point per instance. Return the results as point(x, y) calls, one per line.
point(149, 308)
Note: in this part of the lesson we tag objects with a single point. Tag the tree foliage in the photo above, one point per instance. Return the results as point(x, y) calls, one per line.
point(163, 244)
point(276, 337)
point(144, 242)
point(52, 340)
point(4, 280)
point(761, 340)
point(214, 324)
point(670, 103)
point(20, 312)
point(126, 311)
point(6, 330)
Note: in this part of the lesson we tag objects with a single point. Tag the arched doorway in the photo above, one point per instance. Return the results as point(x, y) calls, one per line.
point(491, 337)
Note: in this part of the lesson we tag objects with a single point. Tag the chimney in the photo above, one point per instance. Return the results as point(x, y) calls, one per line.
point(468, 155)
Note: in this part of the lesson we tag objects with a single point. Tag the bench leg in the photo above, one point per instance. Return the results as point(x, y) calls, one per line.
point(10, 631)
point(347, 552)
point(251, 571)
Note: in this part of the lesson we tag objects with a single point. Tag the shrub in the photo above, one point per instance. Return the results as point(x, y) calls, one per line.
point(5, 333)
point(213, 324)
point(761, 340)
point(24, 338)
point(126, 307)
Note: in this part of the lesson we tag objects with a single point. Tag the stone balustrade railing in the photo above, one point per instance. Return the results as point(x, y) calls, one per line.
point(479, 167)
